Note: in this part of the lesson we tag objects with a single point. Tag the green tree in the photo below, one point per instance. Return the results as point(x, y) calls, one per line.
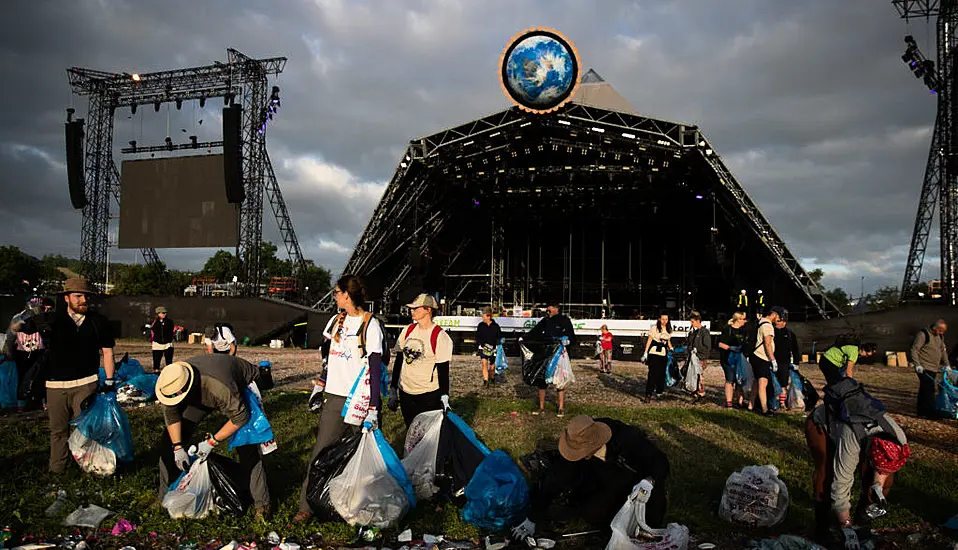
point(883, 298)
point(816, 276)
point(317, 280)
point(222, 266)
point(21, 273)
point(840, 298)
point(140, 280)
point(270, 264)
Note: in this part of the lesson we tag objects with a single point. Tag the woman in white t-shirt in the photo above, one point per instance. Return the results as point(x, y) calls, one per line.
point(345, 371)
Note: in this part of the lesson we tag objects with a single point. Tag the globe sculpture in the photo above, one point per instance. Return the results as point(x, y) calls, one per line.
point(540, 70)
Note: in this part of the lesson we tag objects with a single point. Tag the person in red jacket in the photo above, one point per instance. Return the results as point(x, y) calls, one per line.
point(605, 358)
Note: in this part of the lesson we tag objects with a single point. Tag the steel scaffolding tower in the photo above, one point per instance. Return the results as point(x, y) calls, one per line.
point(940, 186)
point(242, 77)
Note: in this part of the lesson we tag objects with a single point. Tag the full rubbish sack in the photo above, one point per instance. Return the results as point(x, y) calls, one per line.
point(230, 485)
point(330, 462)
point(373, 489)
point(673, 374)
point(105, 423)
point(191, 495)
point(502, 364)
point(138, 389)
point(9, 382)
point(559, 373)
point(693, 372)
point(497, 497)
point(755, 497)
point(536, 358)
point(795, 398)
point(257, 429)
point(947, 401)
point(92, 457)
point(420, 452)
point(125, 369)
point(626, 532)
point(460, 454)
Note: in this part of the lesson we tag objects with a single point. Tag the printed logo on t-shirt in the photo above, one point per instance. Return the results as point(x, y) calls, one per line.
point(342, 349)
point(413, 350)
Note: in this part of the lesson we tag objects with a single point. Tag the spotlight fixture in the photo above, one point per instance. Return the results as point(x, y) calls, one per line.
point(179, 104)
point(135, 77)
point(133, 145)
point(202, 102)
point(169, 143)
point(156, 106)
point(193, 142)
point(133, 108)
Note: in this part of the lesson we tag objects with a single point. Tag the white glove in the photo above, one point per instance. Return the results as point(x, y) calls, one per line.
point(445, 402)
point(181, 459)
point(372, 420)
point(564, 341)
point(525, 529)
point(919, 369)
point(774, 366)
point(642, 491)
point(851, 539)
point(645, 357)
point(203, 450)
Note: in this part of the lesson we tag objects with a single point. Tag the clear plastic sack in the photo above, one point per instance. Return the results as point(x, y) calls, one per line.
point(92, 457)
point(367, 493)
point(420, 452)
point(562, 376)
point(755, 497)
point(625, 531)
point(191, 495)
point(795, 397)
point(106, 423)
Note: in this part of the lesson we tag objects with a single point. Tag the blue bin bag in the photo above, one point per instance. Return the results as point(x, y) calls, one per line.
point(146, 383)
point(9, 382)
point(107, 424)
point(738, 360)
point(497, 497)
point(947, 401)
point(468, 432)
point(257, 430)
point(501, 363)
point(394, 467)
point(554, 362)
point(776, 391)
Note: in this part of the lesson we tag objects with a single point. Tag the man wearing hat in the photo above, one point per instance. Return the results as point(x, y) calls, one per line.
point(600, 464)
point(161, 336)
point(75, 338)
point(420, 380)
point(189, 391)
point(554, 327)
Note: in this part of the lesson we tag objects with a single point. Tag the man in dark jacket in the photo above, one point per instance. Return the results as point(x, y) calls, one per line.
point(786, 354)
point(600, 464)
point(488, 334)
point(75, 338)
point(189, 391)
point(161, 336)
point(553, 328)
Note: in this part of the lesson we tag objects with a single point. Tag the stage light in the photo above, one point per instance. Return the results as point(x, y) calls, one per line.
point(179, 104)
point(628, 135)
point(193, 142)
point(133, 108)
point(202, 102)
point(156, 106)
point(708, 152)
point(135, 77)
point(402, 165)
point(566, 122)
point(70, 111)
point(699, 197)
point(169, 143)
point(133, 145)
point(600, 130)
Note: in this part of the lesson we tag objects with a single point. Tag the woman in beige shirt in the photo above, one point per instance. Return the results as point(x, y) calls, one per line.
point(657, 346)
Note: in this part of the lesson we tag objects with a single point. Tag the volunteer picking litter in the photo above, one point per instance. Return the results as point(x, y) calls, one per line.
point(190, 390)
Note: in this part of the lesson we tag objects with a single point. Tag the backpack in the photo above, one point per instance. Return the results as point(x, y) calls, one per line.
point(221, 326)
point(751, 335)
point(846, 401)
point(433, 338)
point(363, 328)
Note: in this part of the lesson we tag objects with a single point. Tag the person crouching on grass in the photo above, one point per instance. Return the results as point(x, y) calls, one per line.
point(488, 334)
point(420, 378)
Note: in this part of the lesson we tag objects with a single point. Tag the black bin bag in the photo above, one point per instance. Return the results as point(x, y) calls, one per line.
point(330, 463)
point(230, 485)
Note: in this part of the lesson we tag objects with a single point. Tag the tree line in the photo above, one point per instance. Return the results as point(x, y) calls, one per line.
point(24, 275)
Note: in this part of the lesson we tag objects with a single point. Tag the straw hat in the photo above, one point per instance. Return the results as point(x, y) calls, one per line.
point(582, 438)
point(174, 383)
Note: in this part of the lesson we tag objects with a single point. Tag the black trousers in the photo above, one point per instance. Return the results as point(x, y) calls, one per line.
point(926, 395)
point(24, 361)
point(656, 379)
point(159, 354)
point(412, 405)
point(249, 458)
point(829, 370)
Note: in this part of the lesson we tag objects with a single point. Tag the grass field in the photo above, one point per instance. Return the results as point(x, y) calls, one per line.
point(704, 443)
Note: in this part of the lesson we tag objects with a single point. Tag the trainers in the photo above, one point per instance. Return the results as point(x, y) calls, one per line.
point(538, 412)
point(561, 413)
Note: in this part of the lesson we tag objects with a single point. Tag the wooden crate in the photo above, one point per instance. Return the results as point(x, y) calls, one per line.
point(891, 359)
point(804, 358)
point(902, 359)
point(195, 338)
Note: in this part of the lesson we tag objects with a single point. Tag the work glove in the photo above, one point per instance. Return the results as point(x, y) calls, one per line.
point(316, 399)
point(642, 491)
point(372, 420)
point(393, 403)
point(445, 402)
point(523, 530)
point(918, 368)
point(109, 386)
point(774, 366)
point(851, 539)
point(181, 458)
point(645, 357)
point(203, 450)
point(564, 341)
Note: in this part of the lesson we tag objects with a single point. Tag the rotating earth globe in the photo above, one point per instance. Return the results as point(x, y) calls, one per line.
point(540, 70)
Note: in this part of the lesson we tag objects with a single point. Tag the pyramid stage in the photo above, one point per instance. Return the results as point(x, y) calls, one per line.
point(611, 213)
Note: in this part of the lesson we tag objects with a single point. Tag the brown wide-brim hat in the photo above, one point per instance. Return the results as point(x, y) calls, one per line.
point(174, 383)
point(582, 438)
point(77, 285)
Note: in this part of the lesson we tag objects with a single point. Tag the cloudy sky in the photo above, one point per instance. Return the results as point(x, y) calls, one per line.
point(808, 102)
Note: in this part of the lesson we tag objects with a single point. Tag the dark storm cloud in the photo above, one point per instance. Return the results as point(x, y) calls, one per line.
point(808, 102)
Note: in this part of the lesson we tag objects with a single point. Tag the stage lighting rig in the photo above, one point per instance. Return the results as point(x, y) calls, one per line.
point(271, 108)
point(920, 66)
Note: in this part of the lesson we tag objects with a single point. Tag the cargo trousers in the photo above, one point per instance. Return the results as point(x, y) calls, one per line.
point(63, 405)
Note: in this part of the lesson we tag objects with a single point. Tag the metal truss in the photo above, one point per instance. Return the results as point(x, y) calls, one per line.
point(242, 78)
point(942, 168)
point(497, 277)
point(478, 150)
